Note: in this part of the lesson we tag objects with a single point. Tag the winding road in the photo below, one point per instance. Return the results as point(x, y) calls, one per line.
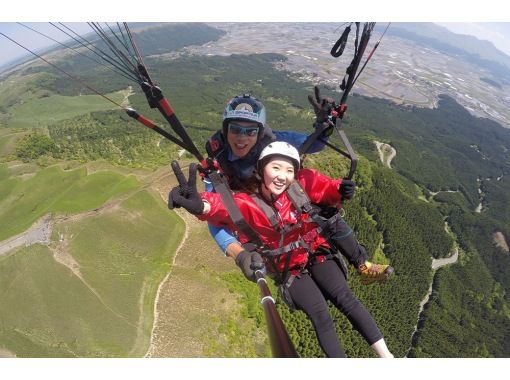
point(436, 264)
point(386, 153)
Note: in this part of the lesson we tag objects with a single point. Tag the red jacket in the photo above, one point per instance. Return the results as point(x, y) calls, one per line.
point(321, 190)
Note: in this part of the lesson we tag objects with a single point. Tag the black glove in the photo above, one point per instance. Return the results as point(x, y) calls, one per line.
point(186, 194)
point(347, 188)
point(321, 106)
point(249, 262)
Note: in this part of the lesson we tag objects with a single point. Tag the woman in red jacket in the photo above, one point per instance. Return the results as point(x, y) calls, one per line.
point(298, 257)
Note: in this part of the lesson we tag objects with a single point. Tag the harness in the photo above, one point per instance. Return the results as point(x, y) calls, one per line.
point(272, 255)
point(224, 178)
point(302, 205)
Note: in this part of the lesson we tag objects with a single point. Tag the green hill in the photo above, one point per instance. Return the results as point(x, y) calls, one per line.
point(91, 291)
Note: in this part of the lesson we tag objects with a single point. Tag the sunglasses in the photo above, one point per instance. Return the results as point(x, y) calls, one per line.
point(236, 129)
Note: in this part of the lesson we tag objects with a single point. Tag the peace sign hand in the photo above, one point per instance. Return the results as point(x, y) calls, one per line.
point(185, 194)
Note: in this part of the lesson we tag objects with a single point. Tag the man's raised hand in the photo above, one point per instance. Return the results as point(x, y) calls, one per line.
point(322, 107)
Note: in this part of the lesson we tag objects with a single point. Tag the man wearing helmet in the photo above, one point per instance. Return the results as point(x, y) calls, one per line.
point(237, 147)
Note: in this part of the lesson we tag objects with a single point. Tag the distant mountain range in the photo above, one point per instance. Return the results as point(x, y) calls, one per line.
point(480, 52)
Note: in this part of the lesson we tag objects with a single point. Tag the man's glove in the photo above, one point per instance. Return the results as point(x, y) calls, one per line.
point(249, 262)
point(321, 106)
point(186, 194)
point(347, 188)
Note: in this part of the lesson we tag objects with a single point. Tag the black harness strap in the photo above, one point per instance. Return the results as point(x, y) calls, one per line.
point(299, 198)
point(286, 248)
point(221, 186)
point(268, 210)
point(302, 203)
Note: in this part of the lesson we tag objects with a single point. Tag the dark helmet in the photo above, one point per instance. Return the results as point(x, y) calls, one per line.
point(244, 108)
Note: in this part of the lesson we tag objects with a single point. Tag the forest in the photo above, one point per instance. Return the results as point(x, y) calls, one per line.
point(399, 214)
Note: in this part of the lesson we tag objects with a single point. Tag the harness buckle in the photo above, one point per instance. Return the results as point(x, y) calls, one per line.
point(318, 259)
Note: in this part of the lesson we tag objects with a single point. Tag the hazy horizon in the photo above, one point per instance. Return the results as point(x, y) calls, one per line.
point(498, 33)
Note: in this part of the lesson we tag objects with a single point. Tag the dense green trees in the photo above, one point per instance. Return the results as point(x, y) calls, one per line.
point(110, 136)
point(34, 146)
point(466, 316)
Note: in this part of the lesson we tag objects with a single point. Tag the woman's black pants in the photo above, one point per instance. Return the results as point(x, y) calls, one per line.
point(325, 281)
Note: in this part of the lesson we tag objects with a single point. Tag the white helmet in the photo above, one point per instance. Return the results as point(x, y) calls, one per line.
point(279, 148)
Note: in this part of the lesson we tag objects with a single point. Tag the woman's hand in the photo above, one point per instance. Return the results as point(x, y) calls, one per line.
point(249, 262)
point(186, 194)
point(347, 189)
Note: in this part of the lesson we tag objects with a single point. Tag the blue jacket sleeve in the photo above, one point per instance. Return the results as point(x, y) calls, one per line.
point(296, 139)
point(221, 235)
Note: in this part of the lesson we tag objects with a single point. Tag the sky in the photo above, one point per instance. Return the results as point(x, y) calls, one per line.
point(20, 32)
point(481, 22)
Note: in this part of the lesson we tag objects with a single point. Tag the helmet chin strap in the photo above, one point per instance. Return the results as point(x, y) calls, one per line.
point(264, 193)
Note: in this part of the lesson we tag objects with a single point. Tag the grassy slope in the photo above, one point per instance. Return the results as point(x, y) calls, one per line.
point(71, 320)
point(8, 140)
point(44, 111)
point(122, 255)
point(57, 191)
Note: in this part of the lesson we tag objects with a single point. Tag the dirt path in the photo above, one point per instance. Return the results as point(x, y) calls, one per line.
point(127, 93)
point(436, 264)
point(386, 153)
point(500, 240)
point(4, 353)
point(152, 347)
point(478, 208)
point(190, 304)
point(162, 185)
